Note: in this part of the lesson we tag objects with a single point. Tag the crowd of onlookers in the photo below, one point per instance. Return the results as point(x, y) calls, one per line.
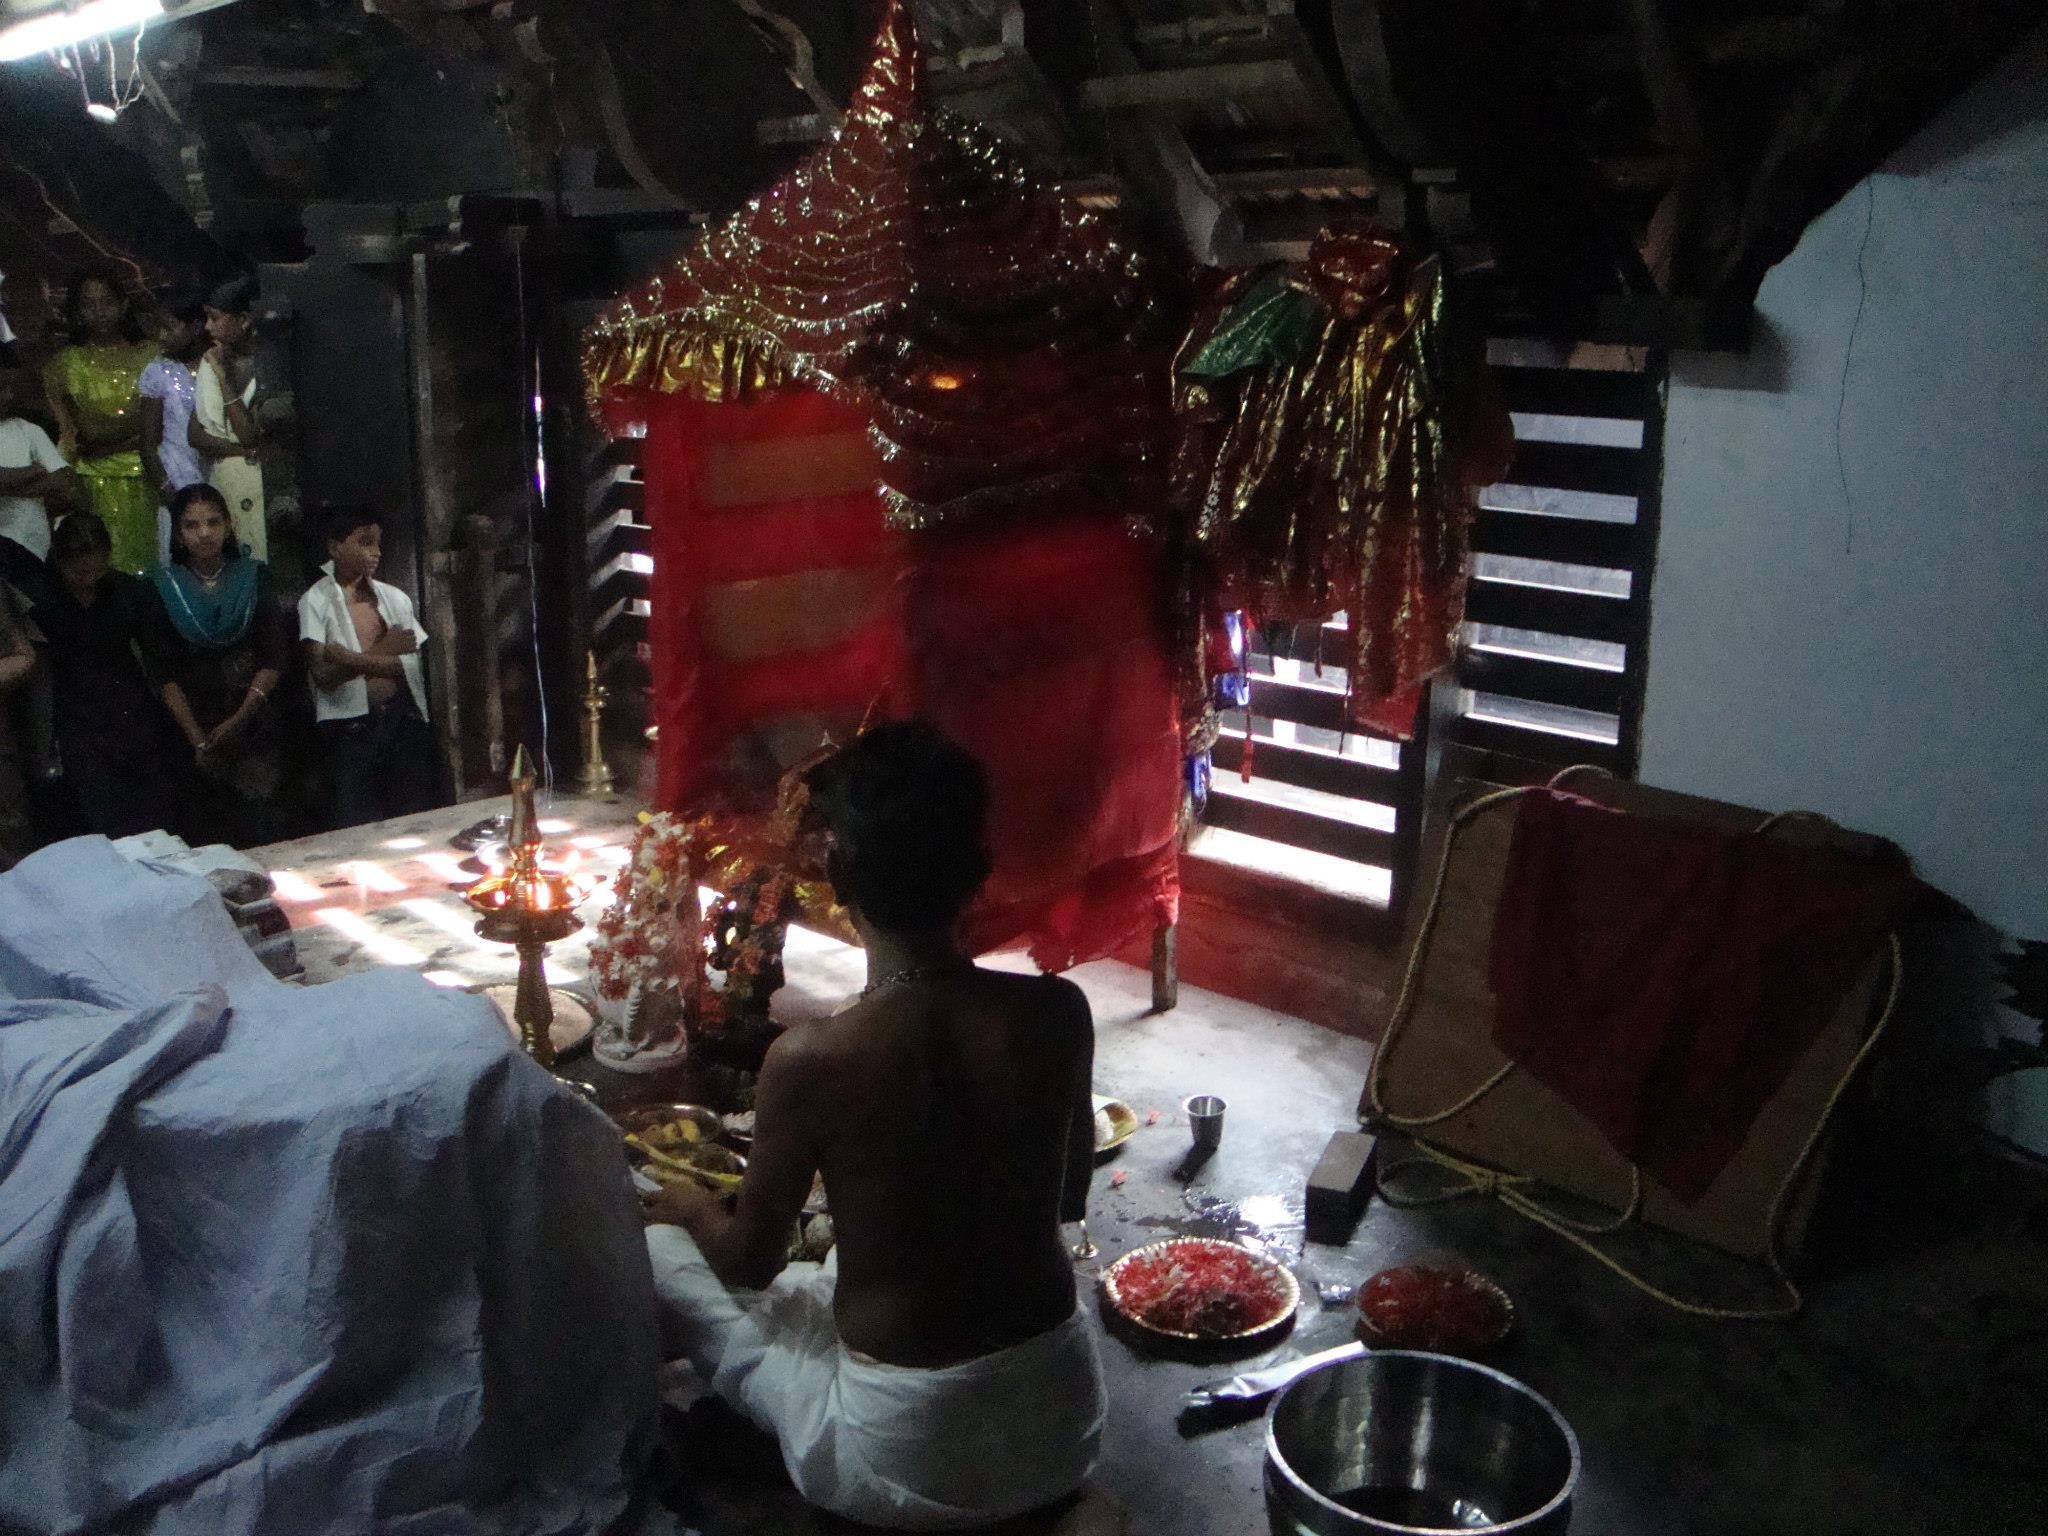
point(142, 646)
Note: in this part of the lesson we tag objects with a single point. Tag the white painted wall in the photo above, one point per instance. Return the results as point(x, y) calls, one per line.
point(1850, 610)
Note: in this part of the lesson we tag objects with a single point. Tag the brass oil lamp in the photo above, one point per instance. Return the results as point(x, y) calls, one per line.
point(530, 908)
point(596, 777)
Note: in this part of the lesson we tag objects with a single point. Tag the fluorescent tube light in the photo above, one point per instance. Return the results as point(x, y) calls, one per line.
point(61, 28)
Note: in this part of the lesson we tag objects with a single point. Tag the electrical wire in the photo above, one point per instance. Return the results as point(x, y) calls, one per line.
point(529, 415)
point(118, 257)
point(1848, 356)
point(75, 59)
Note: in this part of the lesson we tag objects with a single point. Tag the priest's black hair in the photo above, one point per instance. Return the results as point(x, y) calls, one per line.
point(907, 809)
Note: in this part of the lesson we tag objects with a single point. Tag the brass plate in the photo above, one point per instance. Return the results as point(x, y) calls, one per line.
point(1115, 1123)
point(1290, 1289)
point(692, 1124)
point(686, 1133)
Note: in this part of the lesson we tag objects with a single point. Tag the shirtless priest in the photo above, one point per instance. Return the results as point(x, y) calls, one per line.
point(937, 1372)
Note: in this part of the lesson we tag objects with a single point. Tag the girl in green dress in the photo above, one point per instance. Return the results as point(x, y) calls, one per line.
point(92, 386)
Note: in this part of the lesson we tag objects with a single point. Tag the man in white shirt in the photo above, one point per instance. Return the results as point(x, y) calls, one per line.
point(32, 474)
point(362, 643)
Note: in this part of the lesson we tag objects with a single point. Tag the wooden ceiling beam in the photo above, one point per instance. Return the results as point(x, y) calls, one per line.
point(1369, 73)
point(1193, 85)
point(1765, 40)
point(1608, 56)
point(805, 128)
point(1202, 34)
point(1640, 173)
point(1698, 212)
point(792, 44)
point(270, 77)
point(1331, 111)
point(402, 9)
point(1006, 86)
point(1348, 181)
point(1099, 191)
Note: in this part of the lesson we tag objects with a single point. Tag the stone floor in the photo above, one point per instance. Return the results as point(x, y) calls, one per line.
point(389, 893)
point(1911, 1398)
point(1853, 1420)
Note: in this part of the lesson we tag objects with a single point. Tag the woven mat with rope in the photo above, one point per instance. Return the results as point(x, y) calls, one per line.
point(1518, 1192)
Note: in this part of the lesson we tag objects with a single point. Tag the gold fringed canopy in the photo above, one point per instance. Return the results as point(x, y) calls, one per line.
point(1005, 346)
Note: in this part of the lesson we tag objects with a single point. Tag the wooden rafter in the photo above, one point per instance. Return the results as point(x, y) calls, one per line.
point(1191, 85)
point(1652, 157)
point(267, 77)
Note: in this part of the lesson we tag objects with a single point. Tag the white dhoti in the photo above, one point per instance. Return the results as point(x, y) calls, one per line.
point(888, 1445)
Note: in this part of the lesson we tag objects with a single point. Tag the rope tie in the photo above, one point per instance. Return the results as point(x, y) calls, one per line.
point(1512, 1189)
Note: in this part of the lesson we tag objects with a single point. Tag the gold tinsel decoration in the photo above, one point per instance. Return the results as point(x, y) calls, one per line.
point(1329, 441)
point(1007, 348)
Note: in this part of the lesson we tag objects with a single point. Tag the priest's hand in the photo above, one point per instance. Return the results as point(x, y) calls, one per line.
point(682, 1204)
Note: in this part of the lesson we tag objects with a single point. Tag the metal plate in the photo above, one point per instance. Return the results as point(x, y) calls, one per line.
point(1290, 1290)
point(1369, 1335)
point(642, 1118)
point(715, 1166)
point(492, 829)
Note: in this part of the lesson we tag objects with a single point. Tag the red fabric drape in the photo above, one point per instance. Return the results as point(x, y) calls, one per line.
point(1037, 643)
point(709, 540)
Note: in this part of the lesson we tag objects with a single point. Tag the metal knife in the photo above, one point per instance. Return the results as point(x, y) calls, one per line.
point(1256, 1386)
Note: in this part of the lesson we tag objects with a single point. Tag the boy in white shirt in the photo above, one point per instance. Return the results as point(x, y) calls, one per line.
point(362, 642)
point(32, 474)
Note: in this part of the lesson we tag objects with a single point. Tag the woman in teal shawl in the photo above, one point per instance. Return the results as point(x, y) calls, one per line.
point(216, 654)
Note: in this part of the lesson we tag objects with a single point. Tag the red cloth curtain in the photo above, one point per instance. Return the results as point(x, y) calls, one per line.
point(784, 610)
point(1663, 977)
point(753, 507)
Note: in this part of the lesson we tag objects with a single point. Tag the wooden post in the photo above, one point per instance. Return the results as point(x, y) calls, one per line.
point(1165, 969)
